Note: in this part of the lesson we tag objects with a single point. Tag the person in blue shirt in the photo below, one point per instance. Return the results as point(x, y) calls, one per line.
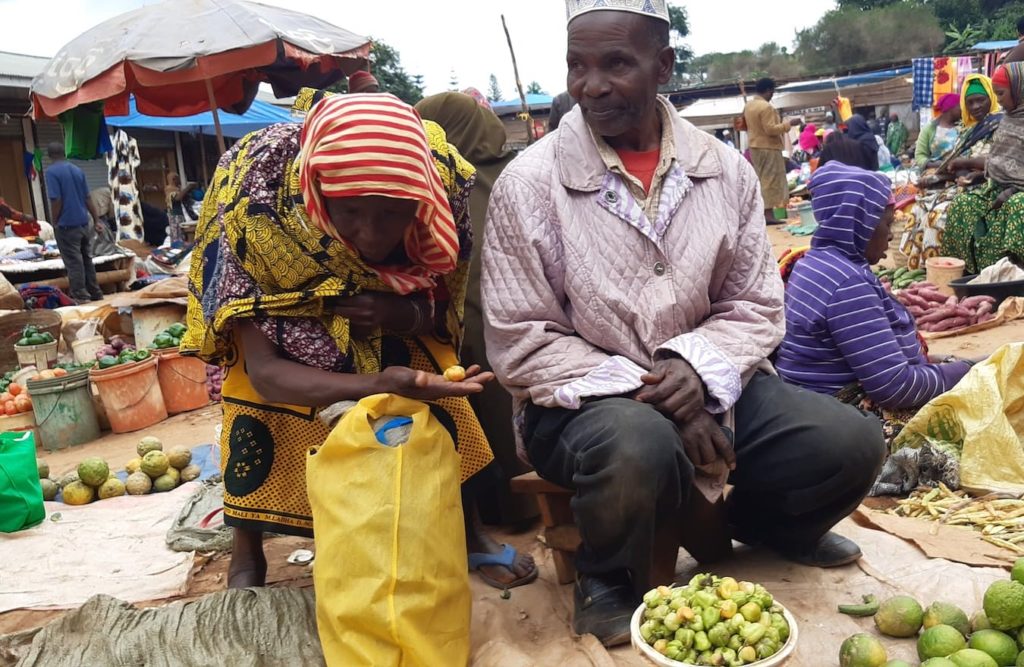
point(73, 220)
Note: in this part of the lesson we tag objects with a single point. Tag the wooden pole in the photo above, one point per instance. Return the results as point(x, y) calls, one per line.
point(519, 84)
point(202, 157)
point(216, 117)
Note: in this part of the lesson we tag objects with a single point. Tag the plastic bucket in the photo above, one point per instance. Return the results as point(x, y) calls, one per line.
point(182, 382)
point(41, 356)
point(65, 415)
point(131, 395)
point(944, 270)
point(806, 212)
point(85, 350)
point(149, 321)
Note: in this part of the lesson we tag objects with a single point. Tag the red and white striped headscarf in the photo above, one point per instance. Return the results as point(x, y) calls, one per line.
point(373, 144)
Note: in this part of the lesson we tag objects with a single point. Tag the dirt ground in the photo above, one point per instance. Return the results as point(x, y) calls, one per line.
point(209, 574)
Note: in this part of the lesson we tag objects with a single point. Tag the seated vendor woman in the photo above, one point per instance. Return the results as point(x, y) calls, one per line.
point(939, 137)
point(335, 256)
point(843, 329)
point(961, 171)
point(987, 223)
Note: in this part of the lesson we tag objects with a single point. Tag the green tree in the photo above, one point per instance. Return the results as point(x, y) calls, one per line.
point(847, 38)
point(387, 67)
point(865, 4)
point(768, 60)
point(494, 90)
point(534, 89)
point(679, 29)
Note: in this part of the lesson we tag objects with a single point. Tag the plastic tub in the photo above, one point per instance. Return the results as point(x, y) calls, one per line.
point(999, 291)
point(655, 658)
point(85, 349)
point(131, 395)
point(944, 270)
point(65, 415)
point(21, 422)
point(41, 356)
point(182, 382)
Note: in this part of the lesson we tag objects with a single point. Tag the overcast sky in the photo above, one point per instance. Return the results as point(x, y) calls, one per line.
point(436, 37)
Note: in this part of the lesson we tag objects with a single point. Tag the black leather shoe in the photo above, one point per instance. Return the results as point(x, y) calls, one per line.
point(832, 550)
point(604, 608)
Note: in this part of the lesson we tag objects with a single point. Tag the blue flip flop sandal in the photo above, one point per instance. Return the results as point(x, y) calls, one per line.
point(506, 559)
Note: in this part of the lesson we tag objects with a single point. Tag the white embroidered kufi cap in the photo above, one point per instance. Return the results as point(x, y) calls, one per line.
point(654, 8)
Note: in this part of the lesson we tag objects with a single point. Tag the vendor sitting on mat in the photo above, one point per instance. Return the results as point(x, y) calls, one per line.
point(845, 334)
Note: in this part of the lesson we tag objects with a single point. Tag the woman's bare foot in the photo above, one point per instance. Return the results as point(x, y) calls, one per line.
point(248, 566)
point(479, 542)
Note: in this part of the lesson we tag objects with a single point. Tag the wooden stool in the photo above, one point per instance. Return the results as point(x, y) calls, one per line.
point(560, 532)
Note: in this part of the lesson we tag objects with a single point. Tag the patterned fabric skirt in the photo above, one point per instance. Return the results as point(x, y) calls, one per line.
point(264, 446)
point(771, 171)
point(981, 236)
point(893, 421)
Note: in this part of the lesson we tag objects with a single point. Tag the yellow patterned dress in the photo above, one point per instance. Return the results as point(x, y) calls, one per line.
point(258, 258)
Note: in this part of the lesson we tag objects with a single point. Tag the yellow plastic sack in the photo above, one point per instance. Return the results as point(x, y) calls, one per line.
point(982, 418)
point(391, 573)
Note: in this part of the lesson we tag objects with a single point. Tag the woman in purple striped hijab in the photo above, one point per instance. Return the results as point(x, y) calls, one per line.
point(845, 334)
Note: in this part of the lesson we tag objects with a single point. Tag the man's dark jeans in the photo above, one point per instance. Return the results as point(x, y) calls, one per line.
point(74, 243)
point(804, 461)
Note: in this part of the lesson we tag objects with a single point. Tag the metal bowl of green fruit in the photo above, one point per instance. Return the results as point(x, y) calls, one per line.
point(713, 621)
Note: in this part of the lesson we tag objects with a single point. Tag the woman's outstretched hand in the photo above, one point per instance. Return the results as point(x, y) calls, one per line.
point(424, 386)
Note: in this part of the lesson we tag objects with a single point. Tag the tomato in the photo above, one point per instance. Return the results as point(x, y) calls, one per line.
point(23, 404)
point(6, 396)
point(14, 389)
point(47, 375)
point(28, 401)
point(59, 372)
point(10, 408)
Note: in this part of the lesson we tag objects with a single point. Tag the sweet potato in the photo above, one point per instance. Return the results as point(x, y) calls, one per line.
point(951, 323)
point(932, 295)
point(937, 315)
point(984, 308)
point(976, 301)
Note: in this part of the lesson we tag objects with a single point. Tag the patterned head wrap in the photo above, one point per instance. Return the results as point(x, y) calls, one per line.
point(977, 84)
point(363, 145)
point(654, 8)
point(1011, 75)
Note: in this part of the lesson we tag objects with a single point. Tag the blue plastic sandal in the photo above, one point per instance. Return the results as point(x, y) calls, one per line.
point(506, 559)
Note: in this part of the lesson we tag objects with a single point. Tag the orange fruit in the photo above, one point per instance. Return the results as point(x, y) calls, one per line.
point(14, 389)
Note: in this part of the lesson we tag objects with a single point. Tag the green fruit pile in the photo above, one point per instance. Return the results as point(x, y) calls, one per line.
point(32, 335)
point(991, 638)
point(714, 621)
point(169, 338)
point(157, 471)
point(91, 480)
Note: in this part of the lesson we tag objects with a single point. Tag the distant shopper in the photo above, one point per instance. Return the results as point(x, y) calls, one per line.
point(363, 82)
point(765, 130)
point(561, 105)
point(896, 135)
point(858, 129)
point(1017, 53)
point(73, 213)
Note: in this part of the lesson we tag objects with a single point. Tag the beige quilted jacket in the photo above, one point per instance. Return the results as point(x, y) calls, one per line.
point(581, 288)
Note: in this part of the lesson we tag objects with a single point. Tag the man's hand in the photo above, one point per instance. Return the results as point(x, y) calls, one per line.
point(704, 442)
point(423, 386)
point(372, 310)
point(674, 389)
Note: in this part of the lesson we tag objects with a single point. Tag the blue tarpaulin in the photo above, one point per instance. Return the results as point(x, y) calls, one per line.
point(845, 81)
point(259, 116)
point(536, 102)
point(1004, 45)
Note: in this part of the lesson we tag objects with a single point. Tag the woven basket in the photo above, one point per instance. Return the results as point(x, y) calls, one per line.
point(11, 326)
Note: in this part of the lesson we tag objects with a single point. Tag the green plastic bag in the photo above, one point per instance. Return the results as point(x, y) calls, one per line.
point(21, 496)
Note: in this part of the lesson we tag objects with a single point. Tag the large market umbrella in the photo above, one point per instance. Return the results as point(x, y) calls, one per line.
point(181, 57)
